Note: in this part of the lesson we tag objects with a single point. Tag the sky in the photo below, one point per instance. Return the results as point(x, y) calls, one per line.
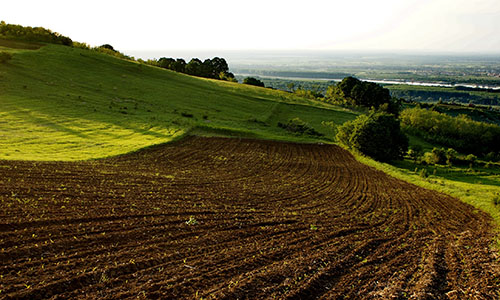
point(366, 25)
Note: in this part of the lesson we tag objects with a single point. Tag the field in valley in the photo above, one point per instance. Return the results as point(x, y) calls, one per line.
point(235, 218)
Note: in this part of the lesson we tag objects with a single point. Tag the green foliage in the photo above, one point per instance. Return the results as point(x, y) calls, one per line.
point(353, 91)
point(81, 45)
point(377, 135)
point(460, 133)
point(496, 200)
point(5, 57)
point(253, 81)
point(311, 94)
point(227, 76)
point(471, 159)
point(441, 156)
point(32, 34)
point(109, 50)
point(107, 46)
point(192, 221)
point(296, 125)
point(449, 94)
point(215, 68)
point(415, 152)
point(492, 156)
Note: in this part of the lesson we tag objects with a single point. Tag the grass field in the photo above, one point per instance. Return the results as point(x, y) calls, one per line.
point(62, 103)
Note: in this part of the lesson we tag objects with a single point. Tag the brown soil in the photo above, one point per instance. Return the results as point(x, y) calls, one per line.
point(235, 219)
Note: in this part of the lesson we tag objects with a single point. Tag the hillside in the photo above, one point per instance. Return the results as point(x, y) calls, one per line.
point(64, 103)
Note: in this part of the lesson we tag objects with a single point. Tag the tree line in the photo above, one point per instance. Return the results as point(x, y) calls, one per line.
point(33, 34)
point(215, 68)
point(460, 133)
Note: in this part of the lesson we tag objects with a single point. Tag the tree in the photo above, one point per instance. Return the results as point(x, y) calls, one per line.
point(353, 91)
point(253, 81)
point(377, 135)
point(167, 63)
point(415, 151)
point(345, 87)
point(107, 46)
point(218, 65)
point(228, 76)
point(179, 65)
point(194, 67)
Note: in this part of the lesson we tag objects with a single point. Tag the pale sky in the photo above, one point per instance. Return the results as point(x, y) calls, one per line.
point(415, 25)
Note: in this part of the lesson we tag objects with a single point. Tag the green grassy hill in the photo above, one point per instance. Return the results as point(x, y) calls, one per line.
point(63, 103)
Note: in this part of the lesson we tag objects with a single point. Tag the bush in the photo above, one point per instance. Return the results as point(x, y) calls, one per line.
point(437, 156)
point(32, 34)
point(296, 125)
point(429, 158)
point(5, 56)
point(415, 152)
point(377, 135)
point(496, 200)
point(491, 156)
point(471, 159)
point(253, 81)
point(451, 156)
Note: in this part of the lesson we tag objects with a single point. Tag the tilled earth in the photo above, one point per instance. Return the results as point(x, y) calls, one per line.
point(235, 219)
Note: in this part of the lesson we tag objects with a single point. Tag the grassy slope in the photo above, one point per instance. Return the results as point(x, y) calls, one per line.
point(61, 103)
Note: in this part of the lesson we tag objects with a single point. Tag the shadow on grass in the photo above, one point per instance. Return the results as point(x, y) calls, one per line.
point(476, 175)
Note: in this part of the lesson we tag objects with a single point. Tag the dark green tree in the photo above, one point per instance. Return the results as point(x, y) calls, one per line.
point(218, 65)
point(353, 91)
point(194, 67)
point(107, 46)
point(179, 65)
point(253, 81)
point(377, 135)
point(167, 63)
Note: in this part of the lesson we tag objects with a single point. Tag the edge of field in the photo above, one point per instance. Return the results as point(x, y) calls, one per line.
point(479, 196)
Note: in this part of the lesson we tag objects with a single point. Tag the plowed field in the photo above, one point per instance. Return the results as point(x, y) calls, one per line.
point(228, 219)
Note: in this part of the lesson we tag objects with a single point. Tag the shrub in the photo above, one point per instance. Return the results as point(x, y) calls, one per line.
point(377, 135)
point(296, 125)
point(415, 152)
point(429, 158)
point(491, 156)
point(451, 156)
point(33, 34)
point(471, 159)
point(496, 200)
point(5, 56)
point(253, 81)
